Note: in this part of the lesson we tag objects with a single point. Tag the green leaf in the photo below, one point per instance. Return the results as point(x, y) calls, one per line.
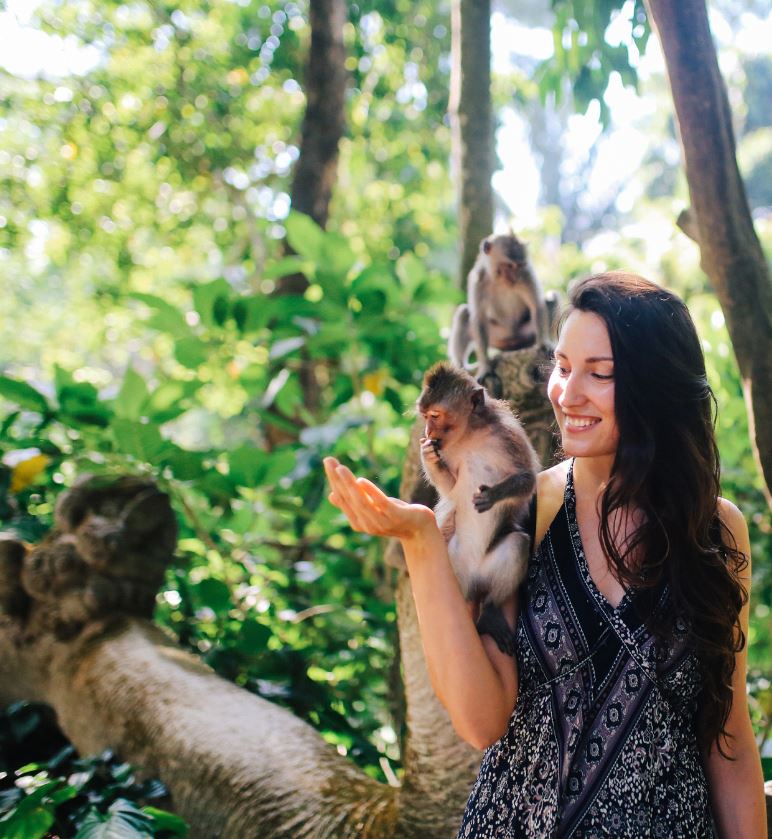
point(170, 400)
point(280, 464)
point(411, 271)
point(131, 397)
point(305, 236)
point(27, 822)
point(140, 440)
point(185, 465)
point(253, 637)
point(286, 266)
point(247, 465)
point(253, 312)
point(211, 301)
point(164, 820)
point(337, 256)
point(214, 593)
point(122, 821)
point(191, 352)
point(24, 395)
point(79, 401)
point(166, 317)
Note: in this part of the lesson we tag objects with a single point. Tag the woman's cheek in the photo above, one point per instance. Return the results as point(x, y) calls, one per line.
point(554, 391)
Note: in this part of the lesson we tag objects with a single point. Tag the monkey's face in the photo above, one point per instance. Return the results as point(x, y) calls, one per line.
point(441, 425)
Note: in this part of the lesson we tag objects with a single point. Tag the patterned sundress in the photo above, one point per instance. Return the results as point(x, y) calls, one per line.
point(602, 741)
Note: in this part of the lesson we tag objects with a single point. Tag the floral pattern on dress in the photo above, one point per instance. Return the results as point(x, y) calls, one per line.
point(602, 741)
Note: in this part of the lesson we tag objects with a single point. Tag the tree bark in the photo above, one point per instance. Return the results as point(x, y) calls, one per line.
point(731, 254)
point(471, 119)
point(323, 123)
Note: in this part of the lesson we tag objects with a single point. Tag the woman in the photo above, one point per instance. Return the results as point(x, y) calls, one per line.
point(624, 712)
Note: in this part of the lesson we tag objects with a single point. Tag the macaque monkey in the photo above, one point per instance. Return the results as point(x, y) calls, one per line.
point(477, 456)
point(505, 306)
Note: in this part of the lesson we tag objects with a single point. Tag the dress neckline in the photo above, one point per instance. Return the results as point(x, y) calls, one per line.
point(569, 501)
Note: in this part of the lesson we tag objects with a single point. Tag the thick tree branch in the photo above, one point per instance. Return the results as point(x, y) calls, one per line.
point(731, 254)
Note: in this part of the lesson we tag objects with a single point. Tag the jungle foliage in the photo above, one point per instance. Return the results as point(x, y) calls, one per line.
point(142, 206)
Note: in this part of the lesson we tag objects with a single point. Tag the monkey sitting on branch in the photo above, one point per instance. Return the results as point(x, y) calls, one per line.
point(477, 456)
point(505, 308)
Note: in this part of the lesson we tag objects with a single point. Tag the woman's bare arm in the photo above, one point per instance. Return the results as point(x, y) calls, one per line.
point(737, 786)
point(473, 679)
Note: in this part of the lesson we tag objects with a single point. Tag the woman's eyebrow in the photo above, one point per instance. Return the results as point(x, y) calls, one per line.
point(591, 360)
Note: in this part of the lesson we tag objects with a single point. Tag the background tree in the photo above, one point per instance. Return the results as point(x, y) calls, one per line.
point(472, 121)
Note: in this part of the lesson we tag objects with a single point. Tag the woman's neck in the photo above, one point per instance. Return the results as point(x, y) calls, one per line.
point(591, 474)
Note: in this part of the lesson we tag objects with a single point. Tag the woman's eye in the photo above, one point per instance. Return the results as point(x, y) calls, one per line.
point(603, 378)
point(564, 371)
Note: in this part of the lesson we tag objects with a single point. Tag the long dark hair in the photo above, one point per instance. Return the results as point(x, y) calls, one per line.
point(667, 467)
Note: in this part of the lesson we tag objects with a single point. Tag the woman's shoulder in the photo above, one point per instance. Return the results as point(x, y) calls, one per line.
point(734, 521)
point(550, 490)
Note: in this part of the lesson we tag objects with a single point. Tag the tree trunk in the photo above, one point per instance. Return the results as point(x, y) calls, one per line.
point(472, 123)
point(730, 251)
point(323, 123)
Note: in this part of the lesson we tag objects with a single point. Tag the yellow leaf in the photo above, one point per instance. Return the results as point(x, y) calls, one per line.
point(24, 473)
point(375, 381)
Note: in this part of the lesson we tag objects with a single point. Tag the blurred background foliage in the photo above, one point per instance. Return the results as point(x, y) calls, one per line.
point(143, 202)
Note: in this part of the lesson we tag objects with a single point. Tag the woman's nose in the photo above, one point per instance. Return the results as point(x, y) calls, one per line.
point(572, 392)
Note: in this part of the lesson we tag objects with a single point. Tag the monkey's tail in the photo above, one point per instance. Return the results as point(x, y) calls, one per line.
point(460, 341)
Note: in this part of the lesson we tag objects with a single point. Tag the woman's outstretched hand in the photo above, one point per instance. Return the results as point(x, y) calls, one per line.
point(370, 510)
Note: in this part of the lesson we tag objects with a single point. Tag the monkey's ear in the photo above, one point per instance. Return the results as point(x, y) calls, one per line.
point(478, 398)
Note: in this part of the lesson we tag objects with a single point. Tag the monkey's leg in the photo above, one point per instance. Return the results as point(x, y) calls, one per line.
point(516, 485)
point(503, 569)
point(492, 622)
point(460, 338)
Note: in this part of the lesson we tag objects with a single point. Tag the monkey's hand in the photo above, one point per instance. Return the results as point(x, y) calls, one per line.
point(437, 470)
point(430, 452)
point(484, 499)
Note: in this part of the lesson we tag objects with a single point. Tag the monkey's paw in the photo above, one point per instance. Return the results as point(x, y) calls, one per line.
point(483, 500)
point(430, 451)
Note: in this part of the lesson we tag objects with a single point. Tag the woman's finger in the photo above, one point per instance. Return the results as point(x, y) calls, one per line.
point(373, 492)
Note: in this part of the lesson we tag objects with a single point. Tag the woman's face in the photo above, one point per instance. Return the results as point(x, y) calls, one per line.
point(581, 387)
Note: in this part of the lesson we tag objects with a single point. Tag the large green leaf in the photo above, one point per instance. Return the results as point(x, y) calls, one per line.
point(164, 820)
point(123, 820)
point(247, 465)
point(24, 395)
point(131, 397)
point(214, 593)
point(170, 399)
point(212, 301)
point(140, 440)
point(305, 236)
point(191, 352)
point(165, 317)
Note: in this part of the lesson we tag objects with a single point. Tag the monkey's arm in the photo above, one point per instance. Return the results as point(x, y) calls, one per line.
point(518, 485)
